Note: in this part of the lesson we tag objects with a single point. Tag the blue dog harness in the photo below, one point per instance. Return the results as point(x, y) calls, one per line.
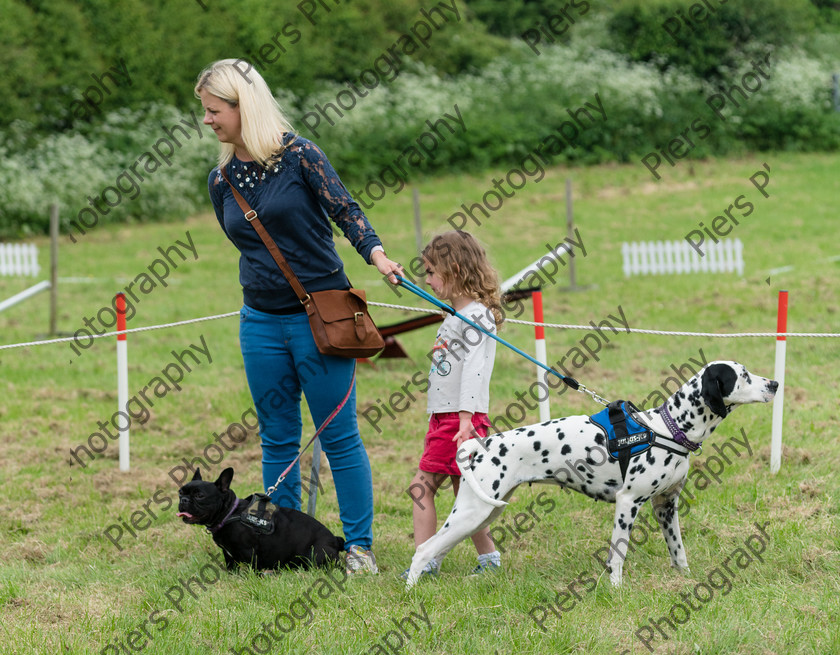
point(626, 437)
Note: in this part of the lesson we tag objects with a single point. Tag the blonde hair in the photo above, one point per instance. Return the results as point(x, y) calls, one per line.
point(263, 121)
point(461, 263)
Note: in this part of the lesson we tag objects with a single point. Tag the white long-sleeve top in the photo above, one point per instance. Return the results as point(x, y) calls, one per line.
point(462, 363)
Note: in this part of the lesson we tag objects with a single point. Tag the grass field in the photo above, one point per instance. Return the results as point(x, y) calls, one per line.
point(66, 588)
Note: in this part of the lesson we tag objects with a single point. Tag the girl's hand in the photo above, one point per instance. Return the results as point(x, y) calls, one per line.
point(386, 266)
point(465, 429)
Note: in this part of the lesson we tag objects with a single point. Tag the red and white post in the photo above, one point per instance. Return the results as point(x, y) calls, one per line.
point(122, 381)
point(779, 376)
point(540, 353)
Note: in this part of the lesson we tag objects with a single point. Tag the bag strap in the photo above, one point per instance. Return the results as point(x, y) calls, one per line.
point(251, 217)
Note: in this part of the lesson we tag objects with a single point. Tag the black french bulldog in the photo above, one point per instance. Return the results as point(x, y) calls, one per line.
point(254, 532)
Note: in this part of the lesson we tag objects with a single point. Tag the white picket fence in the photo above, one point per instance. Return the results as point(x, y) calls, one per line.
point(19, 259)
point(661, 257)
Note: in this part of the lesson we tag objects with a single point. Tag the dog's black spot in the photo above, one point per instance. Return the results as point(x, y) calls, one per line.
point(718, 381)
point(655, 483)
point(560, 435)
point(650, 457)
point(599, 439)
point(677, 401)
point(504, 467)
point(478, 459)
point(487, 443)
point(621, 523)
point(536, 446)
point(531, 433)
point(611, 483)
point(446, 525)
point(495, 485)
point(662, 477)
point(518, 430)
point(668, 459)
point(544, 453)
point(496, 461)
point(633, 511)
point(501, 476)
point(502, 450)
point(545, 460)
point(565, 450)
point(583, 490)
point(549, 473)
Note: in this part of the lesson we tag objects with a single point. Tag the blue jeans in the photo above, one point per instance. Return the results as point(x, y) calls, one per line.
point(281, 360)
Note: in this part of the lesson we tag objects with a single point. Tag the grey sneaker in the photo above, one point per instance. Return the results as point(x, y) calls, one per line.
point(360, 561)
point(489, 567)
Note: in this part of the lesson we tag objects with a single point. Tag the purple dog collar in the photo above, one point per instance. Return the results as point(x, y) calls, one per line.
point(220, 525)
point(679, 435)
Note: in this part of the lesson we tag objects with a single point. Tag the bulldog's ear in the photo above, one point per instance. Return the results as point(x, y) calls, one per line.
point(223, 483)
point(197, 475)
point(718, 381)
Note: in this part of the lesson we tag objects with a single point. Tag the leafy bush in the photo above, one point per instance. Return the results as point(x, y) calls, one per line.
point(715, 41)
point(509, 109)
point(68, 168)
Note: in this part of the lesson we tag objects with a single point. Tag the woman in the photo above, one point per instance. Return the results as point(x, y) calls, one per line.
point(293, 188)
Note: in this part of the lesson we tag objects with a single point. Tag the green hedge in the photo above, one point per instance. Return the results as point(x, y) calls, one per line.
point(53, 48)
point(508, 109)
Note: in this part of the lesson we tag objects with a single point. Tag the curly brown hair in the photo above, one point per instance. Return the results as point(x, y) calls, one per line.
point(461, 262)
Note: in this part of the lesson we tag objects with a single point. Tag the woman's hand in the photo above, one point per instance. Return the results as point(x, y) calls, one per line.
point(386, 266)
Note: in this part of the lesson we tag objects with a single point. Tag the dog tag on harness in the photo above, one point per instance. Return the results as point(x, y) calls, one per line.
point(259, 514)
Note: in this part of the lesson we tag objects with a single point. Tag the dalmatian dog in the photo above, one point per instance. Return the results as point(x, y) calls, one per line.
point(495, 466)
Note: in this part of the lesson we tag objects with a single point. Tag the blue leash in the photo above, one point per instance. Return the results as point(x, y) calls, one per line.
point(571, 382)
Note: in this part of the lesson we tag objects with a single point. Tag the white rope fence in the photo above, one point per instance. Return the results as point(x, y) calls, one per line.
point(560, 326)
point(781, 335)
point(565, 326)
point(118, 332)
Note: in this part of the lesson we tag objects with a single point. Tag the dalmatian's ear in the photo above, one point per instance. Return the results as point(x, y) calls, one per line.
point(718, 381)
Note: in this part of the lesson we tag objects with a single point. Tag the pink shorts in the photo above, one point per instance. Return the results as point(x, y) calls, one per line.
point(439, 450)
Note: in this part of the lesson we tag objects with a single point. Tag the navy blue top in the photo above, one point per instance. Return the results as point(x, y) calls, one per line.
point(294, 200)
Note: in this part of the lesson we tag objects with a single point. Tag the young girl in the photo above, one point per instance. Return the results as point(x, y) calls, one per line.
point(457, 270)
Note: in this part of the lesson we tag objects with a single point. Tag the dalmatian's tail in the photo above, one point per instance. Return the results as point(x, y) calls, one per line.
point(465, 452)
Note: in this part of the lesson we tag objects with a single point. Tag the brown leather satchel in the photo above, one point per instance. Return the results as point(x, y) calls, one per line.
point(339, 319)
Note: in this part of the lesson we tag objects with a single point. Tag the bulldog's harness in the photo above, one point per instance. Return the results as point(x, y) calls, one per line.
point(257, 515)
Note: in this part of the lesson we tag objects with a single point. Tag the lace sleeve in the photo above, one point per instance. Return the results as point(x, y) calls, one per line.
point(334, 198)
point(214, 182)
